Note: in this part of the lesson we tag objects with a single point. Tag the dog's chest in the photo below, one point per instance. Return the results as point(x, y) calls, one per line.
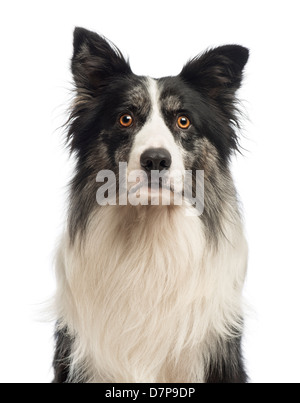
point(136, 289)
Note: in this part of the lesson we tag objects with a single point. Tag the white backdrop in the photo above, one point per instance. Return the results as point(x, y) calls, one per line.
point(159, 37)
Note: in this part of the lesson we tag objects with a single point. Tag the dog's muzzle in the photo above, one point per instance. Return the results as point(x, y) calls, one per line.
point(155, 159)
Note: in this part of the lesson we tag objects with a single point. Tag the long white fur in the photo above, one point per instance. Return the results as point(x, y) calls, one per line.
point(142, 306)
point(145, 296)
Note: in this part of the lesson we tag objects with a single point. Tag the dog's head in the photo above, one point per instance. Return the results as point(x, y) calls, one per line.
point(169, 125)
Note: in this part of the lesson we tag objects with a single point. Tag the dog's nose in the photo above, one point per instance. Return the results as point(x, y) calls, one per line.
point(155, 159)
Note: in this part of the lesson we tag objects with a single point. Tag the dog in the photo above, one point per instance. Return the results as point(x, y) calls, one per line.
point(149, 289)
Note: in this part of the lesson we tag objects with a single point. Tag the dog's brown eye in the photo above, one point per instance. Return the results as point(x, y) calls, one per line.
point(126, 120)
point(183, 122)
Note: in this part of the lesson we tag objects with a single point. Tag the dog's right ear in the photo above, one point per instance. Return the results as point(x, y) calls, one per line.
point(95, 60)
point(217, 72)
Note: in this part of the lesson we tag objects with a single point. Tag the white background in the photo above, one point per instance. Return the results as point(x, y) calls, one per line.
point(159, 37)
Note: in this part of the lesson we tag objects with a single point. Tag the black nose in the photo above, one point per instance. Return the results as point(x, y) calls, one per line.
point(155, 159)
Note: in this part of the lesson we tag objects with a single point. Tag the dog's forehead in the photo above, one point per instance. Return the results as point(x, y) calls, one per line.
point(138, 92)
point(132, 95)
point(171, 93)
point(171, 102)
point(149, 91)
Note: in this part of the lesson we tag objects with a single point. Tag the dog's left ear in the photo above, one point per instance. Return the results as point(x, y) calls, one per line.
point(218, 71)
point(95, 60)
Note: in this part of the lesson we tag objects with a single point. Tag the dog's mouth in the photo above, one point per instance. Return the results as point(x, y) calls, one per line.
point(159, 191)
point(152, 186)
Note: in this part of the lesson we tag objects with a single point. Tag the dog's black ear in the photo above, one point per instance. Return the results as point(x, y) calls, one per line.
point(95, 60)
point(218, 71)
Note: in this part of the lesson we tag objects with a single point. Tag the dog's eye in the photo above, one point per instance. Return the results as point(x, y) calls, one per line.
point(183, 122)
point(126, 120)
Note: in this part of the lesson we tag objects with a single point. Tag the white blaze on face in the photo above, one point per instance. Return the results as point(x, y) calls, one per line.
point(155, 134)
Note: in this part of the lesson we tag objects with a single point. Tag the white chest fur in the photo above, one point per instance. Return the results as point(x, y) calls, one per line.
point(142, 291)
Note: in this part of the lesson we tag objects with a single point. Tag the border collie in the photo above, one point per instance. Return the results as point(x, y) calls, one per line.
point(149, 289)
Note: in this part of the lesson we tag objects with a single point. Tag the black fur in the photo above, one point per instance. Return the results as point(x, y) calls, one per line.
point(226, 366)
point(61, 358)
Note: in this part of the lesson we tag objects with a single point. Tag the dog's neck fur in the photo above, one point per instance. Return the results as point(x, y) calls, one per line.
point(142, 291)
